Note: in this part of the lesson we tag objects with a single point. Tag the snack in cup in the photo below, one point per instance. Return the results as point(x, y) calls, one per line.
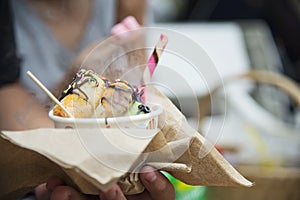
point(94, 100)
point(81, 98)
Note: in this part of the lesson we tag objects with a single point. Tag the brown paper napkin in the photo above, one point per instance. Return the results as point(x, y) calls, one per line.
point(29, 158)
point(207, 165)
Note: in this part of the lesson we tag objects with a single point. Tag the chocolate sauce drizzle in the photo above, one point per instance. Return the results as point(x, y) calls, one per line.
point(81, 78)
point(143, 108)
point(87, 76)
point(122, 92)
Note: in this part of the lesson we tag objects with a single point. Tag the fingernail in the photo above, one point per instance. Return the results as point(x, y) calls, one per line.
point(111, 194)
point(150, 174)
point(131, 23)
point(118, 29)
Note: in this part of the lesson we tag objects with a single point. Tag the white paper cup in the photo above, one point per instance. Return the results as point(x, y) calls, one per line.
point(142, 121)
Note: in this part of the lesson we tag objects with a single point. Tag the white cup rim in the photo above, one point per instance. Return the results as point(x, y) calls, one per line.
point(156, 110)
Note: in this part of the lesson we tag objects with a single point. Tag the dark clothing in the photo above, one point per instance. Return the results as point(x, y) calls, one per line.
point(9, 62)
point(282, 16)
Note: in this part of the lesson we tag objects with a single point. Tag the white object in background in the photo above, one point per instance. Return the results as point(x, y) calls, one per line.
point(258, 135)
point(221, 43)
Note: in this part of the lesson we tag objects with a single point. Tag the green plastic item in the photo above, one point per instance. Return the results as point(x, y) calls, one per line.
point(184, 191)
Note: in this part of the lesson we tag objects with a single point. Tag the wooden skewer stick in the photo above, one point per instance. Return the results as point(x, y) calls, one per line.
point(49, 93)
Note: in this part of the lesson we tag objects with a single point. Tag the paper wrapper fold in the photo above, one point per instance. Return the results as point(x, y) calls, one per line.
point(29, 158)
point(207, 166)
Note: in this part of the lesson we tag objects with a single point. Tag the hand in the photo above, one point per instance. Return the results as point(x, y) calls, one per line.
point(156, 185)
point(105, 51)
point(102, 52)
point(55, 189)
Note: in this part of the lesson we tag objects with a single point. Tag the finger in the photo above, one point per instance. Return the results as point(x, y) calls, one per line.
point(61, 193)
point(41, 192)
point(144, 195)
point(69, 193)
point(114, 193)
point(54, 182)
point(157, 184)
point(130, 23)
point(118, 29)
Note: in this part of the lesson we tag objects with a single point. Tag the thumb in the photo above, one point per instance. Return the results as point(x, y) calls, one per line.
point(158, 186)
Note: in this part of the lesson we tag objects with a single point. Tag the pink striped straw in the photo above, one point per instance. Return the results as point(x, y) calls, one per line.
point(152, 62)
point(157, 52)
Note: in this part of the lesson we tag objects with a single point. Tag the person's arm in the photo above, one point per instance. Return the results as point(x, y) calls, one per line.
point(19, 110)
point(136, 8)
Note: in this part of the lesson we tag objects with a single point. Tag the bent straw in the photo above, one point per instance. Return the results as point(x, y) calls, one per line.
point(49, 93)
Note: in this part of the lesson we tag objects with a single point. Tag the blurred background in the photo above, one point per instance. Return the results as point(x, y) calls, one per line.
point(256, 126)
